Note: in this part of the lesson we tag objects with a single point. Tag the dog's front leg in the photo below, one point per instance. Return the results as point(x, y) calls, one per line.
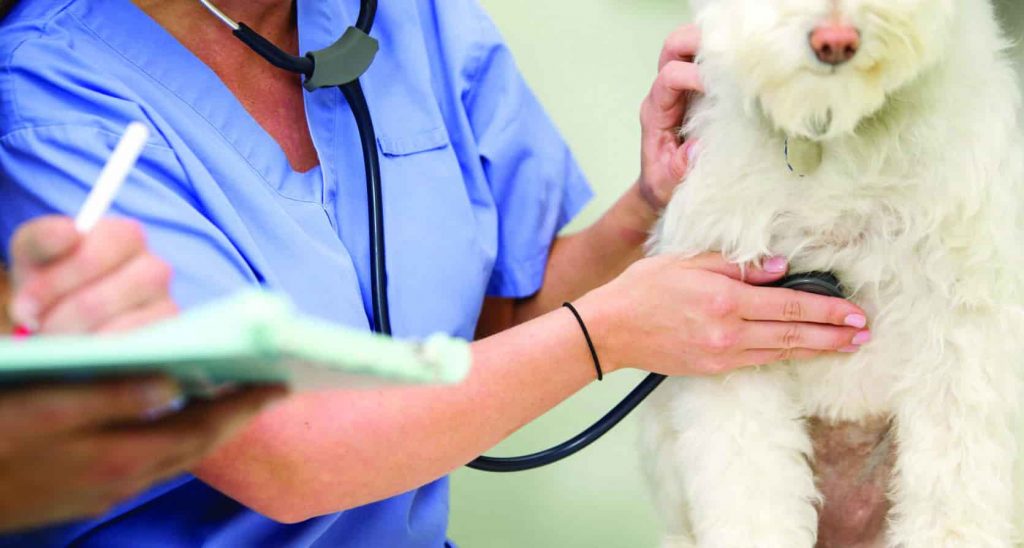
point(956, 436)
point(741, 449)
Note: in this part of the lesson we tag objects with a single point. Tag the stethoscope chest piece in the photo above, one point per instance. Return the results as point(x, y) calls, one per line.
point(819, 283)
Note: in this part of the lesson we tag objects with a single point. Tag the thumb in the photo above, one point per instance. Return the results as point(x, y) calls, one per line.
point(682, 160)
point(770, 270)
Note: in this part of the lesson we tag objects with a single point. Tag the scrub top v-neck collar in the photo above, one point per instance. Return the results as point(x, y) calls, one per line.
point(153, 51)
point(148, 46)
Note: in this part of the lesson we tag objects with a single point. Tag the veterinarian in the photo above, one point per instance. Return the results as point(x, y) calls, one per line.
point(64, 451)
point(249, 180)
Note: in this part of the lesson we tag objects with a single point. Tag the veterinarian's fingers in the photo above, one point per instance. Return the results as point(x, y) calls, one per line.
point(148, 315)
point(111, 244)
point(681, 45)
point(182, 437)
point(144, 279)
point(770, 270)
point(786, 305)
point(807, 336)
point(753, 358)
point(667, 100)
point(40, 242)
point(41, 411)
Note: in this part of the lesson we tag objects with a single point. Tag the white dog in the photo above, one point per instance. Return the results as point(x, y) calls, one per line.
point(879, 140)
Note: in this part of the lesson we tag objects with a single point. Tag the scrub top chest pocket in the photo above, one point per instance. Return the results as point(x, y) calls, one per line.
point(422, 141)
point(435, 236)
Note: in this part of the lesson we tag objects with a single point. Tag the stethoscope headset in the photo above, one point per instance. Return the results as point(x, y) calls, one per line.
point(341, 65)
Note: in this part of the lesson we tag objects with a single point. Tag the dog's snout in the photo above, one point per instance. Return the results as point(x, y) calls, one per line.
point(835, 43)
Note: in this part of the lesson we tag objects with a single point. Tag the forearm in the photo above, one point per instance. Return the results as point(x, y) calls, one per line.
point(327, 452)
point(593, 257)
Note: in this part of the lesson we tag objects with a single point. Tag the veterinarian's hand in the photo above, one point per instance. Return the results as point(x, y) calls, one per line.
point(694, 317)
point(74, 450)
point(664, 156)
point(65, 282)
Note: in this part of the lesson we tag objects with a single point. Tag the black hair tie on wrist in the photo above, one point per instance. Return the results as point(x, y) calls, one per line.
point(590, 342)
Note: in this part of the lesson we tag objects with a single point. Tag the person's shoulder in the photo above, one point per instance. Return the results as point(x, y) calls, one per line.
point(31, 20)
point(40, 63)
point(462, 29)
point(459, 13)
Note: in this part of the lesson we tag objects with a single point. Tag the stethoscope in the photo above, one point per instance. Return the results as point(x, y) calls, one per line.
point(341, 65)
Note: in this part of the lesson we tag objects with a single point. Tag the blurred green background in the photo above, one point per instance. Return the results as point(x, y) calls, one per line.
point(591, 62)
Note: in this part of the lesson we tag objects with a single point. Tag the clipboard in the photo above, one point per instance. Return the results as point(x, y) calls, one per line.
point(255, 337)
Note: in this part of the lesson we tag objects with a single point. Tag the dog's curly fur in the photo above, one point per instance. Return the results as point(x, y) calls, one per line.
point(917, 207)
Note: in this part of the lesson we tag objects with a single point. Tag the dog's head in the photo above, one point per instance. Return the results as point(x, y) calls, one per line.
point(817, 68)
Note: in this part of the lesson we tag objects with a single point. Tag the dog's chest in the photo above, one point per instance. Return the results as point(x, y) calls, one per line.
point(864, 231)
point(869, 242)
point(841, 235)
point(827, 223)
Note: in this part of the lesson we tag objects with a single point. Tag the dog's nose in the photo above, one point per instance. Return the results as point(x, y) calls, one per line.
point(835, 43)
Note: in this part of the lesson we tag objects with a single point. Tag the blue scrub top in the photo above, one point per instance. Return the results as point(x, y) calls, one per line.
point(477, 183)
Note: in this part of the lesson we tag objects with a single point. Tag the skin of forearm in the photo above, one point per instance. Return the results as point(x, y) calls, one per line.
point(593, 257)
point(326, 452)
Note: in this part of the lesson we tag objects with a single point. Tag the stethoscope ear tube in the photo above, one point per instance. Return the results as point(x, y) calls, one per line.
point(375, 207)
point(273, 54)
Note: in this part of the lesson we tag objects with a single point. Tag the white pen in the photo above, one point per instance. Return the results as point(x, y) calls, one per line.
point(113, 176)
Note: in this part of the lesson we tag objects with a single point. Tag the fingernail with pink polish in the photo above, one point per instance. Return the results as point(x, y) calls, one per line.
point(862, 338)
point(856, 320)
point(775, 265)
point(25, 312)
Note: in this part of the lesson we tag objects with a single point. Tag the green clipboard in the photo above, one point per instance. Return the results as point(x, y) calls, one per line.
point(253, 338)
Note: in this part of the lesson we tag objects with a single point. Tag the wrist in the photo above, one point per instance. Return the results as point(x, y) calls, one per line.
point(602, 318)
point(648, 204)
point(655, 203)
point(630, 220)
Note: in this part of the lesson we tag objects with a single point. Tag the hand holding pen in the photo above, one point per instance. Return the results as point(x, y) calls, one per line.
point(70, 450)
point(90, 274)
